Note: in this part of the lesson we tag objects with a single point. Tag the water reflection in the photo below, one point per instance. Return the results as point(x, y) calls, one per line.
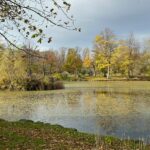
point(89, 110)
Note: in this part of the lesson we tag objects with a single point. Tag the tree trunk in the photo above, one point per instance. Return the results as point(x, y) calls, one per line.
point(44, 70)
point(94, 70)
point(108, 72)
point(76, 73)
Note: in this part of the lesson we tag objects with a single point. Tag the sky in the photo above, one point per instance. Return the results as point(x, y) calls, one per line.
point(122, 16)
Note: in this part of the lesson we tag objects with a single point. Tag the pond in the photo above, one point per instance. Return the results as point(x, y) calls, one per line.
point(120, 109)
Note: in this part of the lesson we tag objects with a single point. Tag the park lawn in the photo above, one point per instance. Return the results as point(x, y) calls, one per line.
point(29, 135)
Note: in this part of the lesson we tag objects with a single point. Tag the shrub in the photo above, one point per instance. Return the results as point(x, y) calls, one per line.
point(58, 85)
point(73, 78)
point(47, 83)
point(57, 76)
point(31, 84)
point(65, 75)
point(4, 84)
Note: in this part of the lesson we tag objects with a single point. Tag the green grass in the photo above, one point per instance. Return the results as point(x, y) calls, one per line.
point(37, 136)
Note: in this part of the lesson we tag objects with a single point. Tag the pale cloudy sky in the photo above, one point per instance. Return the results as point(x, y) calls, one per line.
point(122, 16)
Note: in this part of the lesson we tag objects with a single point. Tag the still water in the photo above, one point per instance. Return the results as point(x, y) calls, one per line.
point(117, 109)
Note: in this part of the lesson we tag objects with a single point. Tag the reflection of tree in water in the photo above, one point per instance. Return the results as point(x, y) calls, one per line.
point(15, 110)
point(108, 124)
point(89, 103)
point(116, 104)
point(113, 124)
point(73, 99)
point(121, 113)
point(114, 113)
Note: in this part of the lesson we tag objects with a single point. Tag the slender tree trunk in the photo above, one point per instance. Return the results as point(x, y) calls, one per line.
point(129, 72)
point(94, 70)
point(108, 72)
point(44, 70)
point(76, 73)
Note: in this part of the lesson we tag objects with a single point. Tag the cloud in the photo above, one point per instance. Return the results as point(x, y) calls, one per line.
point(122, 16)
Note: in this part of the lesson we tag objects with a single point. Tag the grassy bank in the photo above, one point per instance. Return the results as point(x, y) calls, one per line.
point(29, 135)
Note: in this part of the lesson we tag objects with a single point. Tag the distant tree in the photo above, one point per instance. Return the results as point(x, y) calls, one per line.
point(144, 62)
point(20, 65)
point(104, 48)
point(7, 70)
point(87, 58)
point(51, 61)
point(31, 59)
point(61, 55)
point(120, 60)
point(133, 54)
point(73, 63)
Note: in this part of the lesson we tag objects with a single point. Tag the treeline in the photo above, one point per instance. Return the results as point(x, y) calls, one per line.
point(27, 70)
point(108, 58)
point(126, 58)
